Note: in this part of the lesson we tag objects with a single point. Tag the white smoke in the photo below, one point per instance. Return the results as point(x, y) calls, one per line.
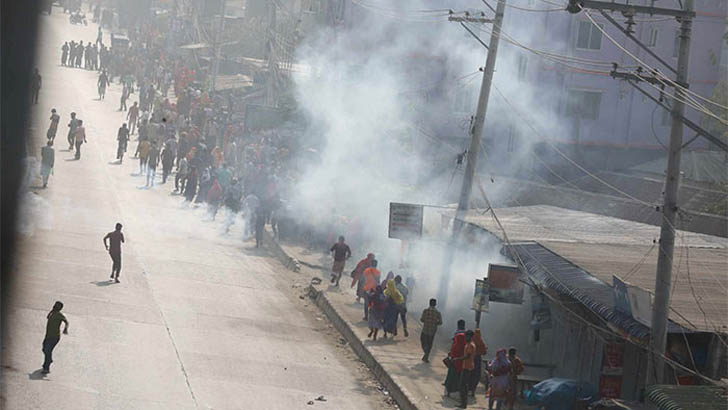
point(360, 96)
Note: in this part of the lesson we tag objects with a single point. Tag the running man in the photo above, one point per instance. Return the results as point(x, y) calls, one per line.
point(115, 240)
point(342, 252)
point(53, 334)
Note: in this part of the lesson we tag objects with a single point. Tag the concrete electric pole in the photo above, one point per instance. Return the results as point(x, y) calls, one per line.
point(663, 278)
point(663, 281)
point(476, 133)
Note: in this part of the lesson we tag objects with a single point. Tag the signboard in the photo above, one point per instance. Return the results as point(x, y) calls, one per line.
point(505, 286)
point(633, 301)
point(405, 220)
point(640, 301)
point(480, 298)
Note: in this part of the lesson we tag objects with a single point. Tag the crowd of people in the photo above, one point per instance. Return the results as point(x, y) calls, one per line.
point(385, 303)
point(195, 136)
point(465, 369)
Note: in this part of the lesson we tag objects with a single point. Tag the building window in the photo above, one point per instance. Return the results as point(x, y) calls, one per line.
point(589, 37)
point(522, 67)
point(584, 104)
point(652, 39)
point(463, 99)
point(676, 44)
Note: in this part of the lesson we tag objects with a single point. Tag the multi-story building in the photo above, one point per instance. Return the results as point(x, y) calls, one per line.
point(575, 102)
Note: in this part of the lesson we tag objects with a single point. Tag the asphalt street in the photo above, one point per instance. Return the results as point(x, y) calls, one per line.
point(199, 320)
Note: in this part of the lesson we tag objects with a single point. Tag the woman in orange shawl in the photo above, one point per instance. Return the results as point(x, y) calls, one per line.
point(356, 275)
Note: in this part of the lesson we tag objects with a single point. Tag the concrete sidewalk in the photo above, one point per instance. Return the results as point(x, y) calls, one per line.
point(396, 362)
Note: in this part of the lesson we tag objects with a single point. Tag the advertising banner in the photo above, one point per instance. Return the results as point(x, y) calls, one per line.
point(505, 286)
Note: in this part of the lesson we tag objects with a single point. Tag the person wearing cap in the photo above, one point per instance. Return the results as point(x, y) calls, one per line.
point(53, 127)
point(53, 334)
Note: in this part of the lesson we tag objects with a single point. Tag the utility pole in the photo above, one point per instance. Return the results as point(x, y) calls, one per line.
point(663, 277)
point(663, 281)
point(476, 133)
point(218, 47)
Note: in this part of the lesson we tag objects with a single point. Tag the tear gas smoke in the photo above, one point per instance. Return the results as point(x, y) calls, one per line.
point(360, 95)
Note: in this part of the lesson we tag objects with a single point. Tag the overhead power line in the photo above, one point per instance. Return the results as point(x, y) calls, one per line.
point(661, 77)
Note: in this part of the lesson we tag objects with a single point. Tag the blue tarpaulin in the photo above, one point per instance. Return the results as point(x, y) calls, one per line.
point(560, 394)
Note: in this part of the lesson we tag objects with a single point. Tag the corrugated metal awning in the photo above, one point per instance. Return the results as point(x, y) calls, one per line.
point(559, 274)
point(669, 397)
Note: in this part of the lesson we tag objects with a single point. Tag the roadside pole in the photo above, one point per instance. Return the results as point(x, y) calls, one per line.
point(473, 152)
point(663, 279)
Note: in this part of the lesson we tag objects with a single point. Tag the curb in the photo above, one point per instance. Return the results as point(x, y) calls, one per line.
point(289, 262)
point(404, 401)
point(395, 391)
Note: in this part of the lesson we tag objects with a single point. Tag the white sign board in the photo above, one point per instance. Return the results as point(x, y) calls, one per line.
point(640, 302)
point(405, 220)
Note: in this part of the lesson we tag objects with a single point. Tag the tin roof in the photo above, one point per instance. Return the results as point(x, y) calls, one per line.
point(584, 250)
point(565, 277)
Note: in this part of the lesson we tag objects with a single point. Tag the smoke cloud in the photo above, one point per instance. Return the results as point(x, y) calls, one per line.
point(372, 87)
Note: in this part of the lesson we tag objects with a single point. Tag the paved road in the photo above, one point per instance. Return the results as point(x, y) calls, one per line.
point(199, 320)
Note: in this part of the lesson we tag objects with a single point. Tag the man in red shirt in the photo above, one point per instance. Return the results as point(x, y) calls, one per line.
point(468, 360)
point(114, 247)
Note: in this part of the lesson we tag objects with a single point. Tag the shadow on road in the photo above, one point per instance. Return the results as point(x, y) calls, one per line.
point(37, 375)
point(103, 283)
